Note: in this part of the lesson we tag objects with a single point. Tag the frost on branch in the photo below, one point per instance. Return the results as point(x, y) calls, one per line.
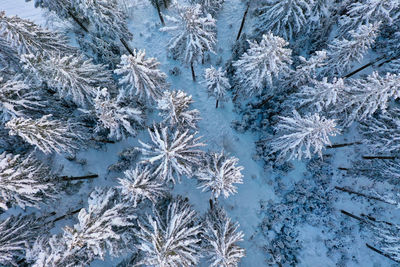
point(117, 119)
point(46, 134)
point(174, 109)
point(17, 233)
point(27, 37)
point(369, 95)
point(302, 136)
point(171, 155)
point(193, 34)
point(138, 185)
point(16, 100)
point(219, 174)
point(283, 17)
point(73, 77)
point(141, 76)
point(262, 62)
point(220, 239)
point(170, 239)
point(217, 83)
point(24, 181)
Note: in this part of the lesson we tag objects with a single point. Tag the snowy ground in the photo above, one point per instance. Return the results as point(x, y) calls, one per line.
point(217, 133)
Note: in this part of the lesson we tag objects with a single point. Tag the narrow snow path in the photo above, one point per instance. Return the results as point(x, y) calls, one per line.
point(215, 126)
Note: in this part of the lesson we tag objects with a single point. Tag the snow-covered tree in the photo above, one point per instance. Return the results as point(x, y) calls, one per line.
point(262, 62)
point(27, 37)
point(17, 233)
point(171, 154)
point(210, 6)
point(194, 34)
point(342, 53)
point(171, 239)
point(220, 239)
point(283, 17)
point(321, 95)
point(174, 109)
point(105, 17)
point(141, 76)
point(368, 12)
point(46, 134)
point(219, 174)
point(117, 119)
point(9, 58)
point(138, 184)
point(306, 71)
point(300, 137)
point(17, 100)
point(24, 181)
point(217, 83)
point(369, 95)
point(96, 232)
point(74, 77)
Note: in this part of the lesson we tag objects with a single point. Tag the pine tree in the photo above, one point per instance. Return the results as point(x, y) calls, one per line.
point(262, 62)
point(221, 236)
point(117, 119)
point(219, 174)
point(17, 233)
point(170, 239)
point(138, 185)
point(369, 12)
point(174, 109)
point(217, 83)
point(28, 37)
point(368, 96)
point(17, 100)
point(298, 136)
point(171, 155)
point(24, 181)
point(210, 6)
point(321, 95)
point(283, 17)
point(46, 134)
point(96, 232)
point(193, 35)
point(74, 78)
point(342, 52)
point(141, 76)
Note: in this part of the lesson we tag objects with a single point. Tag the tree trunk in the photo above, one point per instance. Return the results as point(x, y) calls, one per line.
point(347, 190)
point(343, 145)
point(375, 220)
point(159, 13)
point(65, 215)
point(193, 74)
point(126, 46)
point(379, 157)
point(103, 141)
point(210, 201)
point(343, 169)
point(72, 178)
point(265, 101)
point(243, 21)
point(77, 21)
point(363, 67)
point(216, 103)
point(353, 216)
point(380, 252)
point(165, 4)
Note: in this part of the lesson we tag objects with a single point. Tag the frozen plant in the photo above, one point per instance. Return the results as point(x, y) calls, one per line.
point(117, 119)
point(193, 34)
point(138, 185)
point(284, 18)
point(17, 100)
point(171, 155)
point(24, 181)
point(46, 134)
point(174, 109)
point(300, 137)
point(73, 77)
point(220, 239)
point(217, 83)
point(219, 174)
point(141, 76)
point(262, 62)
point(171, 239)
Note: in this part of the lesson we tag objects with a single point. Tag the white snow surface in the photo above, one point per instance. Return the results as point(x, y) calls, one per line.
point(215, 127)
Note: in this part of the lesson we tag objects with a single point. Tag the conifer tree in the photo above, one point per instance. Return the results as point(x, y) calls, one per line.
point(262, 62)
point(217, 84)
